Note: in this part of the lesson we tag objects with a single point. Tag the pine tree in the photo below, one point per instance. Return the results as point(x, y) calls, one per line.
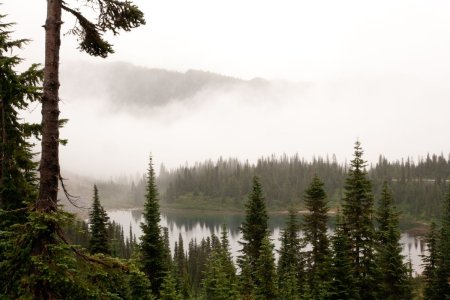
point(254, 228)
point(18, 183)
point(291, 273)
point(98, 220)
point(393, 279)
point(153, 250)
point(358, 215)
point(315, 228)
point(343, 283)
point(265, 273)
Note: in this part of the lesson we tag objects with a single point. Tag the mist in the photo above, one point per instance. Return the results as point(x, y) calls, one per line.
point(111, 135)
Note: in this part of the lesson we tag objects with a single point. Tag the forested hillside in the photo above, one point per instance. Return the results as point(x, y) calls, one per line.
point(224, 184)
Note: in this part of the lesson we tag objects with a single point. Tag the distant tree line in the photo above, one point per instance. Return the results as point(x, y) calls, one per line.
point(417, 187)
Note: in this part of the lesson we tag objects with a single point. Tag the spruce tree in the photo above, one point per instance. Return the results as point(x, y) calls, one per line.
point(291, 273)
point(393, 277)
point(315, 228)
point(169, 289)
point(358, 215)
point(220, 282)
point(153, 250)
point(265, 272)
point(98, 221)
point(343, 283)
point(254, 227)
point(181, 272)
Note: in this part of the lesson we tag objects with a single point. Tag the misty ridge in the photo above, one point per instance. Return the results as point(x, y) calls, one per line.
point(134, 88)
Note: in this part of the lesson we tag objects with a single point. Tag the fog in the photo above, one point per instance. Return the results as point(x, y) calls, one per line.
point(333, 71)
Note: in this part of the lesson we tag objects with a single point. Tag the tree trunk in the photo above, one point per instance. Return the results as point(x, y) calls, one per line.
point(49, 167)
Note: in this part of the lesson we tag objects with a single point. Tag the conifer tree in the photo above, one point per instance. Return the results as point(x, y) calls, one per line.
point(437, 262)
point(181, 272)
point(315, 228)
point(169, 289)
point(430, 264)
point(153, 250)
point(254, 228)
point(358, 215)
point(98, 220)
point(291, 273)
point(18, 182)
point(343, 280)
point(220, 275)
point(265, 273)
point(393, 279)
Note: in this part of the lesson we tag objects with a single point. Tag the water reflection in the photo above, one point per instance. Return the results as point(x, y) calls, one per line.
point(198, 225)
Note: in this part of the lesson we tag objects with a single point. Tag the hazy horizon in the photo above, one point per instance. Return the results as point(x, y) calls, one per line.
point(335, 71)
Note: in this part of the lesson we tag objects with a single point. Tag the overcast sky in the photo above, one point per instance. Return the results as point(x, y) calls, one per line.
point(378, 70)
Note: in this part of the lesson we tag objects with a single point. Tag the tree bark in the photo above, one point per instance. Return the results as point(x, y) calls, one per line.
point(49, 166)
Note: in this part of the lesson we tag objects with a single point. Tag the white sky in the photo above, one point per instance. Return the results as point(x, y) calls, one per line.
point(382, 64)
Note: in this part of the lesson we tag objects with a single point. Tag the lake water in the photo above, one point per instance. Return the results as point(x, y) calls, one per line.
point(198, 225)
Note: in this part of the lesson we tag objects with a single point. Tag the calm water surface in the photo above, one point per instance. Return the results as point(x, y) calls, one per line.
point(196, 225)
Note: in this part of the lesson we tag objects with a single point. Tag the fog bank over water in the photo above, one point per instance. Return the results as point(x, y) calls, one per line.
point(119, 113)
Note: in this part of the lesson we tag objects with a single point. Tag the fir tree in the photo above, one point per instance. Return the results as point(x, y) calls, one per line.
point(393, 278)
point(98, 220)
point(18, 184)
point(291, 273)
point(315, 228)
point(343, 281)
point(358, 215)
point(443, 262)
point(254, 228)
point(265, 273)
point(153, 251)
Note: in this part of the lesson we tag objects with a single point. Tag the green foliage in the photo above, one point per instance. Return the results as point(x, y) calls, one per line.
point(98, 221)
point(437, 262)
point(315, 228)
point(17, 91)
point(169, 289)
point(220, 281)
point(254, 228)
point(394, 282)
point(291, 269)
point(153, 251)
point(265, 273)
point(60, 270)
point(343, 283)
point(111, 16)
point(358, 215)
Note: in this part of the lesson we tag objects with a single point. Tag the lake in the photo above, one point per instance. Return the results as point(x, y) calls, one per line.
point(198, 225)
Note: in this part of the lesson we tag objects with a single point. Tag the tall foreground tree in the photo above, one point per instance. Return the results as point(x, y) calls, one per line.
point(254, 227)
point(358, 216)
point(315, 227)
point(394, 277)
point(110, 16)
point(17, 169)
point(98, 219)
point(153, 249)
